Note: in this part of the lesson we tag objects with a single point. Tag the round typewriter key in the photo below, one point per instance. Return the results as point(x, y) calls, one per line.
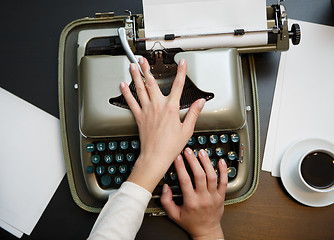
point(95, 159)
point(135, 144)
point(201, 140)
point(130, 157)
point(196, 152)
point(235, 137)
point(112, 145)
point(90, 147)
point(224, 138)
point(231, 155)
point(219, 151)
point(106, 180)
point(99, 170)
point(231, 172)
point(108, 158)
point(123, 168)
point(191, 141)
point(118, 180)
point(112, 169)
point(124, 145)
point(173, 176)
point(213, 162)
point(119, 157)
point(101, 146)
point(209, 151)
point(213, 139)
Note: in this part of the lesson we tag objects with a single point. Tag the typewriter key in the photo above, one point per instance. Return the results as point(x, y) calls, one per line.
point(231, 171)
point(95, 159)
point(105, 180)
point(224, 138)
point(108, 158)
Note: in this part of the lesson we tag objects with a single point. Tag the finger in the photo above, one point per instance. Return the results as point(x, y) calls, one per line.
point(140, 86)
point(151, 85)
point(211, 176)
point(183, 176)
point(192, 115)
point(131, 101)
point(169, 205)
point(198, 172)
point(178, 83)
point(223, 178)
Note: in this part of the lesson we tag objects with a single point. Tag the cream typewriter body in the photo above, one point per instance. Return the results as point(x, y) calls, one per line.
point(109, 135)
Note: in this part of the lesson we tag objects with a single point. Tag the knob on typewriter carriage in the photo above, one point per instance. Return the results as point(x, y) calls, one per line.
point(295, 34)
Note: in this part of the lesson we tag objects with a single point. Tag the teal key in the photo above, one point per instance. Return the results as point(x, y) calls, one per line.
point(106, 180)
point(99, 170)
point(108, 158)
point(231, 172)
point(135, 144)
point(112, 145)
point(95, 159)
point(101, 146)
point(235, 137)
point(213, 139)
point(112, 169)
point(89, 169)
point(124, 145)
point(209, 151)
point(196, 152)
point(119, 157)
point(90, 147)
point(130, 157)
point(118, 180)
point(219, 151)
point(191, 141)
point(173, 176)
point(123, 168)
point(231, 155)
point(201, 140)
point(213, 162)
point(224, 138)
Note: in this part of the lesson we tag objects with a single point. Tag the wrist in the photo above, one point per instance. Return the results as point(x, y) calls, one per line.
point(147, 173)
point(213, 235)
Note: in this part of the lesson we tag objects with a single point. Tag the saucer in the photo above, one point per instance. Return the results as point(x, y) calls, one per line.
point(291, 181)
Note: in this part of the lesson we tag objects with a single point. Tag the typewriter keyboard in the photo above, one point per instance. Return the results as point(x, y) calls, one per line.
point(112, 159)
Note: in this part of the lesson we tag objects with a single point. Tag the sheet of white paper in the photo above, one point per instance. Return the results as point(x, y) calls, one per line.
point(31, 159)
point(304, 96)
point(198, 17)
point(17, 233)
point(272, 127)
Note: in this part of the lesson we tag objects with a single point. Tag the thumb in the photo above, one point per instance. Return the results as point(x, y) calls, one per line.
point(169, 205)
point(192, 115)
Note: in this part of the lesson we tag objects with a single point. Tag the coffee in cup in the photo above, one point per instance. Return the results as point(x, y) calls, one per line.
point(316, 170)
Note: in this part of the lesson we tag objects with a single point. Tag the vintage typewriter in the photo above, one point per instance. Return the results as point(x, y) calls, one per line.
point(100, 136)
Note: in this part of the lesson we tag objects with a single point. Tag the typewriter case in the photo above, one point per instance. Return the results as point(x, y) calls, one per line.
point(69, 112)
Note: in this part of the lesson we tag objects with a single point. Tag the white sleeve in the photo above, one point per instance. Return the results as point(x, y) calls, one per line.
point(122, 215)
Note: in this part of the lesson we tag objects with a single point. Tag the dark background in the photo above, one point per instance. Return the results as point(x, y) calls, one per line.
point(29, 37)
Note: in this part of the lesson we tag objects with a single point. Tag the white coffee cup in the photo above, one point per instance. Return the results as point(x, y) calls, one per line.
point(316, 170)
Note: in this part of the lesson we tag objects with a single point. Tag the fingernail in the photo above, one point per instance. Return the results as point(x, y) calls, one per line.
point(201, 103)
point(141, 60)
point(181, 62)
point(132, 66)
point(202, 153)
point(165, 188)
point(222, 162)
point(122, 84)
point(189, 151)
point(178, 158)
